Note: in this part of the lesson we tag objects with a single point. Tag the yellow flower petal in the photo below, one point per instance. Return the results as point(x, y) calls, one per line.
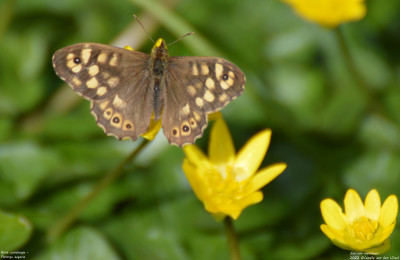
point(195, 156)
point(214, 116)
point(235, 209)
point(373, 205)
point(343, 244)
point(234, 213)
point(329, 12)
point(389, 211)
point(265, 176)
point(129, 48)
point(353, 205)
point(251, 155)
point(387, 231)
point(384, 247)
point(194, 179)
point(212, 207)
point(332, 233)
point(220, 148)
point(333, 214)
point(251, 199)
point(153, 130)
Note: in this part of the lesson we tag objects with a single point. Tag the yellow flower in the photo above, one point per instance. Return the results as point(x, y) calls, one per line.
point(329, 13)
point(226, 182)
point(363, 227)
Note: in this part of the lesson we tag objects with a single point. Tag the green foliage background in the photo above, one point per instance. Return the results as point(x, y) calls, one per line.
point(334, 130)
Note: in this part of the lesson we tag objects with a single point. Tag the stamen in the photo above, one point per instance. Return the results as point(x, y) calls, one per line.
point(363, 229)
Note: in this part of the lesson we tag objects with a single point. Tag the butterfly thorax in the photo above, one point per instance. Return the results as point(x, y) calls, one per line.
point(158, 63)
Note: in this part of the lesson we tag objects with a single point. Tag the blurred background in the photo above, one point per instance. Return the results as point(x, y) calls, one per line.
point(334, 129)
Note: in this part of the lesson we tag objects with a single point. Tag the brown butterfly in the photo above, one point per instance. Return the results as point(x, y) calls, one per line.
point(126, 88)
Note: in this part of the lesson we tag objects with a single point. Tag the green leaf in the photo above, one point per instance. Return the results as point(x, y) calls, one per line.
point(15, 230)
point(376, 168)
point(24, 166)
point(81, 243)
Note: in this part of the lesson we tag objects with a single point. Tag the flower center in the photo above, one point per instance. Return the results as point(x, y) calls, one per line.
point(223, 186)
point(363, 229)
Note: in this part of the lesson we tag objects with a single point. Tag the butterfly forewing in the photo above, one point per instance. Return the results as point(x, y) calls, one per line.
point(115, 80)
point(197, 86)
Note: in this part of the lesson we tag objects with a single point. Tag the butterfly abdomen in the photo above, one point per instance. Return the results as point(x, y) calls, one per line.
point(158, 102)
point(159, 61)
point(158, 69)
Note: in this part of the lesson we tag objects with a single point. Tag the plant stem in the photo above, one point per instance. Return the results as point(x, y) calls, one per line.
point(66, 221)
point(359, 80)
point(232, 239)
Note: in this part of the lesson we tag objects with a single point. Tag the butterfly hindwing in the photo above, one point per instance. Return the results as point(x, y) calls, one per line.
point(126, 114)
point(196, 87)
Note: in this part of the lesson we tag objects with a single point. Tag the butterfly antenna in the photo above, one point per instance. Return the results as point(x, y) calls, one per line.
point(180, 38)
point(144, 29)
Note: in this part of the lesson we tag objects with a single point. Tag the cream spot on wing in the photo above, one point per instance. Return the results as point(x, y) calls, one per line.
point(204, 69)
point(210, 83)
point(76, 82)
point(196, 116)
point(186, 109)
point(86, 53)
point(71, 64)
point(114, 60)
point(118, 102)
point(112, 82)
point(219, 69)
point(229, 81)
point(93, 70)
point(77, 68)
point(191, 90)
point(195, 71)
point(199, 85)
point(104, 104)
point(208, 96)
point(92, 83)
point(101, 91)
point(199, 102)
point(224, 85)
point(105, 75)
point(102, 57)
point(223, 98)
point(70, 56)
point(231, 74)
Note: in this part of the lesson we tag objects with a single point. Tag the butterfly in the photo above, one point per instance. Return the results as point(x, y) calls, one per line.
point(128, 88)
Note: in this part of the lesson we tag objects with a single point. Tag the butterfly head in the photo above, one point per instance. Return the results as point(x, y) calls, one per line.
point(160, 47)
